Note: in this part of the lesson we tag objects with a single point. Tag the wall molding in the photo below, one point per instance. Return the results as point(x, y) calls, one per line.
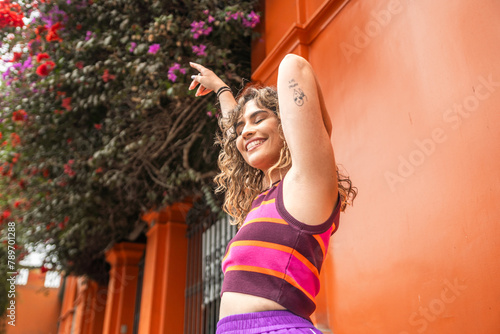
point(299, 35)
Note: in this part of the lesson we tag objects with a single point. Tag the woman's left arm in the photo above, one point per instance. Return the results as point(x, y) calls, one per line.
point(312, 179)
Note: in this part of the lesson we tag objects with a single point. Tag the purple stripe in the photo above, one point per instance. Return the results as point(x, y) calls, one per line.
point(264, 322)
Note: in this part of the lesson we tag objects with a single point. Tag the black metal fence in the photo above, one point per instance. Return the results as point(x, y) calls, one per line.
point(207, 243)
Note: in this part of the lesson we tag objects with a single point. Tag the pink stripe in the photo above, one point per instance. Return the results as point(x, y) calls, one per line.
point(266, 210)
point(326, 236)
point(275, 260)
point(302, 275)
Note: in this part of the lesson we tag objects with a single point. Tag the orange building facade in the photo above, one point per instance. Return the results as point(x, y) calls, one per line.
point(413, 91)
point(37, 305)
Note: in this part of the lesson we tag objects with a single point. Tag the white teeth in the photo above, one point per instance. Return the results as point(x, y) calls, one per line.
point(253, 144)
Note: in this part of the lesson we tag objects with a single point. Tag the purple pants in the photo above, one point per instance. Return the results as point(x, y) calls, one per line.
point(267, 322)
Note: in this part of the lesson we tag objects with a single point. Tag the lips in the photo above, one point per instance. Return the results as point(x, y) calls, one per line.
point(253, 144)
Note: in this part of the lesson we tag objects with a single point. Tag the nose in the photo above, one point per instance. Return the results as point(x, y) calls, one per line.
point(248, 131)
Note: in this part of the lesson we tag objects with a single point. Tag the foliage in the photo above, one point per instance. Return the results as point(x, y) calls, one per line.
point(97, 125)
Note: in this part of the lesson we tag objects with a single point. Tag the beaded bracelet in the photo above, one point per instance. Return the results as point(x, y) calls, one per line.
point(222, 90)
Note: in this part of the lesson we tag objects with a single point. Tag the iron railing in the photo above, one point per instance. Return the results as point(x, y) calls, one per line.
point(207, 243)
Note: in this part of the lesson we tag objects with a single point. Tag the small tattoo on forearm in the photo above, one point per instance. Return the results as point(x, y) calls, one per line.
point(292, 84)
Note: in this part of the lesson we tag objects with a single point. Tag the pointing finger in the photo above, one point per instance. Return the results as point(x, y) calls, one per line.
point(197, 66)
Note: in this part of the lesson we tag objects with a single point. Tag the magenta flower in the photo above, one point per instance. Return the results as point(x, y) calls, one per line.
point(198, 29)
point(133, 45)
point(153, 49)
point(199, 50)
point(251, 20)
point(89, 35)
point(211, 19)
point(171, 72)
point(176, 66)
point(172, 77)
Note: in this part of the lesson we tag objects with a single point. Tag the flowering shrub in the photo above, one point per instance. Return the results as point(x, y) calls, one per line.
point(96, 123)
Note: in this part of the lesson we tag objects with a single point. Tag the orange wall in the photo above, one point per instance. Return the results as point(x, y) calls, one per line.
point(413, 90)
point(37, 307)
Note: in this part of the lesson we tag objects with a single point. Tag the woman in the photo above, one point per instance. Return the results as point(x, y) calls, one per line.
point(285, 193)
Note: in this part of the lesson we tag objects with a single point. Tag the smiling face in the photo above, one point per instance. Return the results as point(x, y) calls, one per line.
point(259, 141)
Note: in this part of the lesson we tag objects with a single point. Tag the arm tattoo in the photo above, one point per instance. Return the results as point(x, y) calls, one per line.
point(299, 97)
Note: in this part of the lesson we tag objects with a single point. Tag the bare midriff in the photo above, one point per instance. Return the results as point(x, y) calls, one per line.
point(238, 303)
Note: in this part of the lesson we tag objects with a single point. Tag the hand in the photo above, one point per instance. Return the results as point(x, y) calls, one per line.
point(207, 79)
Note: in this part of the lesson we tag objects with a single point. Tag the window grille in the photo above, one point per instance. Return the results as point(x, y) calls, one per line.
point(138, 294)
point(22, 276)
point(52, 279)
point(207, 243)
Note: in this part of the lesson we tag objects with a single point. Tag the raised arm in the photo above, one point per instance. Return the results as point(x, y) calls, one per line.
point(209, 82)
point(311, 187)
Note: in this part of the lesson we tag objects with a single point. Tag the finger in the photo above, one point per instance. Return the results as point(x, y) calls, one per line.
point(199, 67)
point(193, 85)
point(199, 91)
point(204, 91)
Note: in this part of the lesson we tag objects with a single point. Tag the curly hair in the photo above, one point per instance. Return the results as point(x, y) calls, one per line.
point(241, 182)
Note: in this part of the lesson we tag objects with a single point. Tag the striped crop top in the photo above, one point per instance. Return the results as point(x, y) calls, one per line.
point(276, 257)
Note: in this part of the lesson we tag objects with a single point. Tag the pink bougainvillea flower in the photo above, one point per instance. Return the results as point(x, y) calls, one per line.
point(172, 77)
point(251, 20)
point(154, 48)
point(198, 29)
point(199, 50)
point(133, 45)
point(171, 72)
point(45, 69)
point(89, 35)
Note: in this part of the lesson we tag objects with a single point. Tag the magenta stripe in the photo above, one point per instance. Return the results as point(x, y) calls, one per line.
point(275, 260)
point(326, 236)
point(266, 210)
